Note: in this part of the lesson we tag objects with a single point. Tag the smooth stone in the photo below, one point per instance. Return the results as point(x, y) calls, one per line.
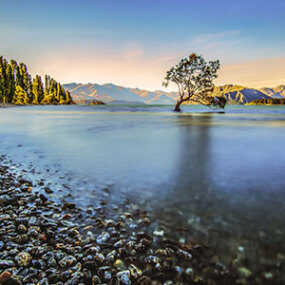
point(5, 276)
point(23, 258)
point(6, 263)
point(244, 272)
point(119, 264)
point(67, 261)
point(124, 277)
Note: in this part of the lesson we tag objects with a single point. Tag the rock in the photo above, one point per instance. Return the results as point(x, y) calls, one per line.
point(22, 239)
point(43, 238)
point(119, 243)
point(189, 272)
point(244, 272)
point(6, 200)
point(146, 221)
point(22, 228)
point(67, 261)
point(179, 270)
point(32, 221)
point(151, 259)
point(111, 256)
point(268, 275)
point(66, 217)
point(184, 254)
point(103, 238)
point(99, 258)
point(43, 281)
point(23, 259)
point(119, 264)
point(5, 276)
point(135, 272)
point(43, 198)
point(6, 263)
point(73, 232)
point(158, 233)
point(96, 280)
point(124, 277)
point(107, 275)
point(63, 276)
point(48, 223)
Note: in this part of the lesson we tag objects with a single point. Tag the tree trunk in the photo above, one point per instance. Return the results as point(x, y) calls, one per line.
point(177, 106)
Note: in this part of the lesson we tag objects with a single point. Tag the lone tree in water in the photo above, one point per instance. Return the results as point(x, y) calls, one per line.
point(194, 78)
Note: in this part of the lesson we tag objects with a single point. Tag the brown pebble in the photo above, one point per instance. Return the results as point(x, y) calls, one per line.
point(146, 221)
point(66, 217)
point(43, 238)
point(5, 276)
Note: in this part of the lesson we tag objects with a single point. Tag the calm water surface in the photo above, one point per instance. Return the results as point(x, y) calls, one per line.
point(219, 176)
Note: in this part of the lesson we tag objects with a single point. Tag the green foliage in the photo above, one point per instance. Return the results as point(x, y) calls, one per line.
point(17, 86)
point(272, 101)
point(38, 90)
point(20, 96)
point(3, 80)
point(55, 94)
point(10, 83)
point(194, 78)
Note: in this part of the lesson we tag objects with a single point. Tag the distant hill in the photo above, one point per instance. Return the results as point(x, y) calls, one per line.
point(237, 94)
point(277, 92)
point(114, 94)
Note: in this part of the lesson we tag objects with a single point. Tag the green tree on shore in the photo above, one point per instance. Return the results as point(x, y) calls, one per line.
point(18, 87)
point(20, 96)
point(38, 90)
point(10, 83)
point(3, 80)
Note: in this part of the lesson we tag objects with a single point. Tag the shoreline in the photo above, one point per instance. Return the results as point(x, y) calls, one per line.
point(2, 105)
point(44, 242)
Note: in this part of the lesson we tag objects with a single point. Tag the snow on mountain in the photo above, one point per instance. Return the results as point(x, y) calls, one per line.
point(114, 94)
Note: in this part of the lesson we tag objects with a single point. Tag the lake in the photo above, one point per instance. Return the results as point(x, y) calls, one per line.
point(204, 175)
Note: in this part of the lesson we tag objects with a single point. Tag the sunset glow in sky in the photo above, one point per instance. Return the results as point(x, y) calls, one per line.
point(134, 42)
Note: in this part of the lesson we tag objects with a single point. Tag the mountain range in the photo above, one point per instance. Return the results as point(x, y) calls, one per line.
point(114, 94)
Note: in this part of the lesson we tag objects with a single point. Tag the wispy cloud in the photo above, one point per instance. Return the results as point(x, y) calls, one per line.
point(208, 38)
point(138, 64)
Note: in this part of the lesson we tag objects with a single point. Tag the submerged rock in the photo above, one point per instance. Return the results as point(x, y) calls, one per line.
point(6, 264)
point(67, 261)
point(23, 259)
point(103, 238)
point(44, 243)
point(124, 277)
point(119, 264)
point(244, 272)
point(135, 272)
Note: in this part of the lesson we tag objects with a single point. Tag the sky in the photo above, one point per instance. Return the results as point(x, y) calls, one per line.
point(134, 42)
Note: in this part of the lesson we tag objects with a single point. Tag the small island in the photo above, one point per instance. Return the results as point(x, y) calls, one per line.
point(96, 102)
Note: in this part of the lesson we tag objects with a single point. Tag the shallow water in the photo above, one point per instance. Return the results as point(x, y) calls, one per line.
point(219, 176)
